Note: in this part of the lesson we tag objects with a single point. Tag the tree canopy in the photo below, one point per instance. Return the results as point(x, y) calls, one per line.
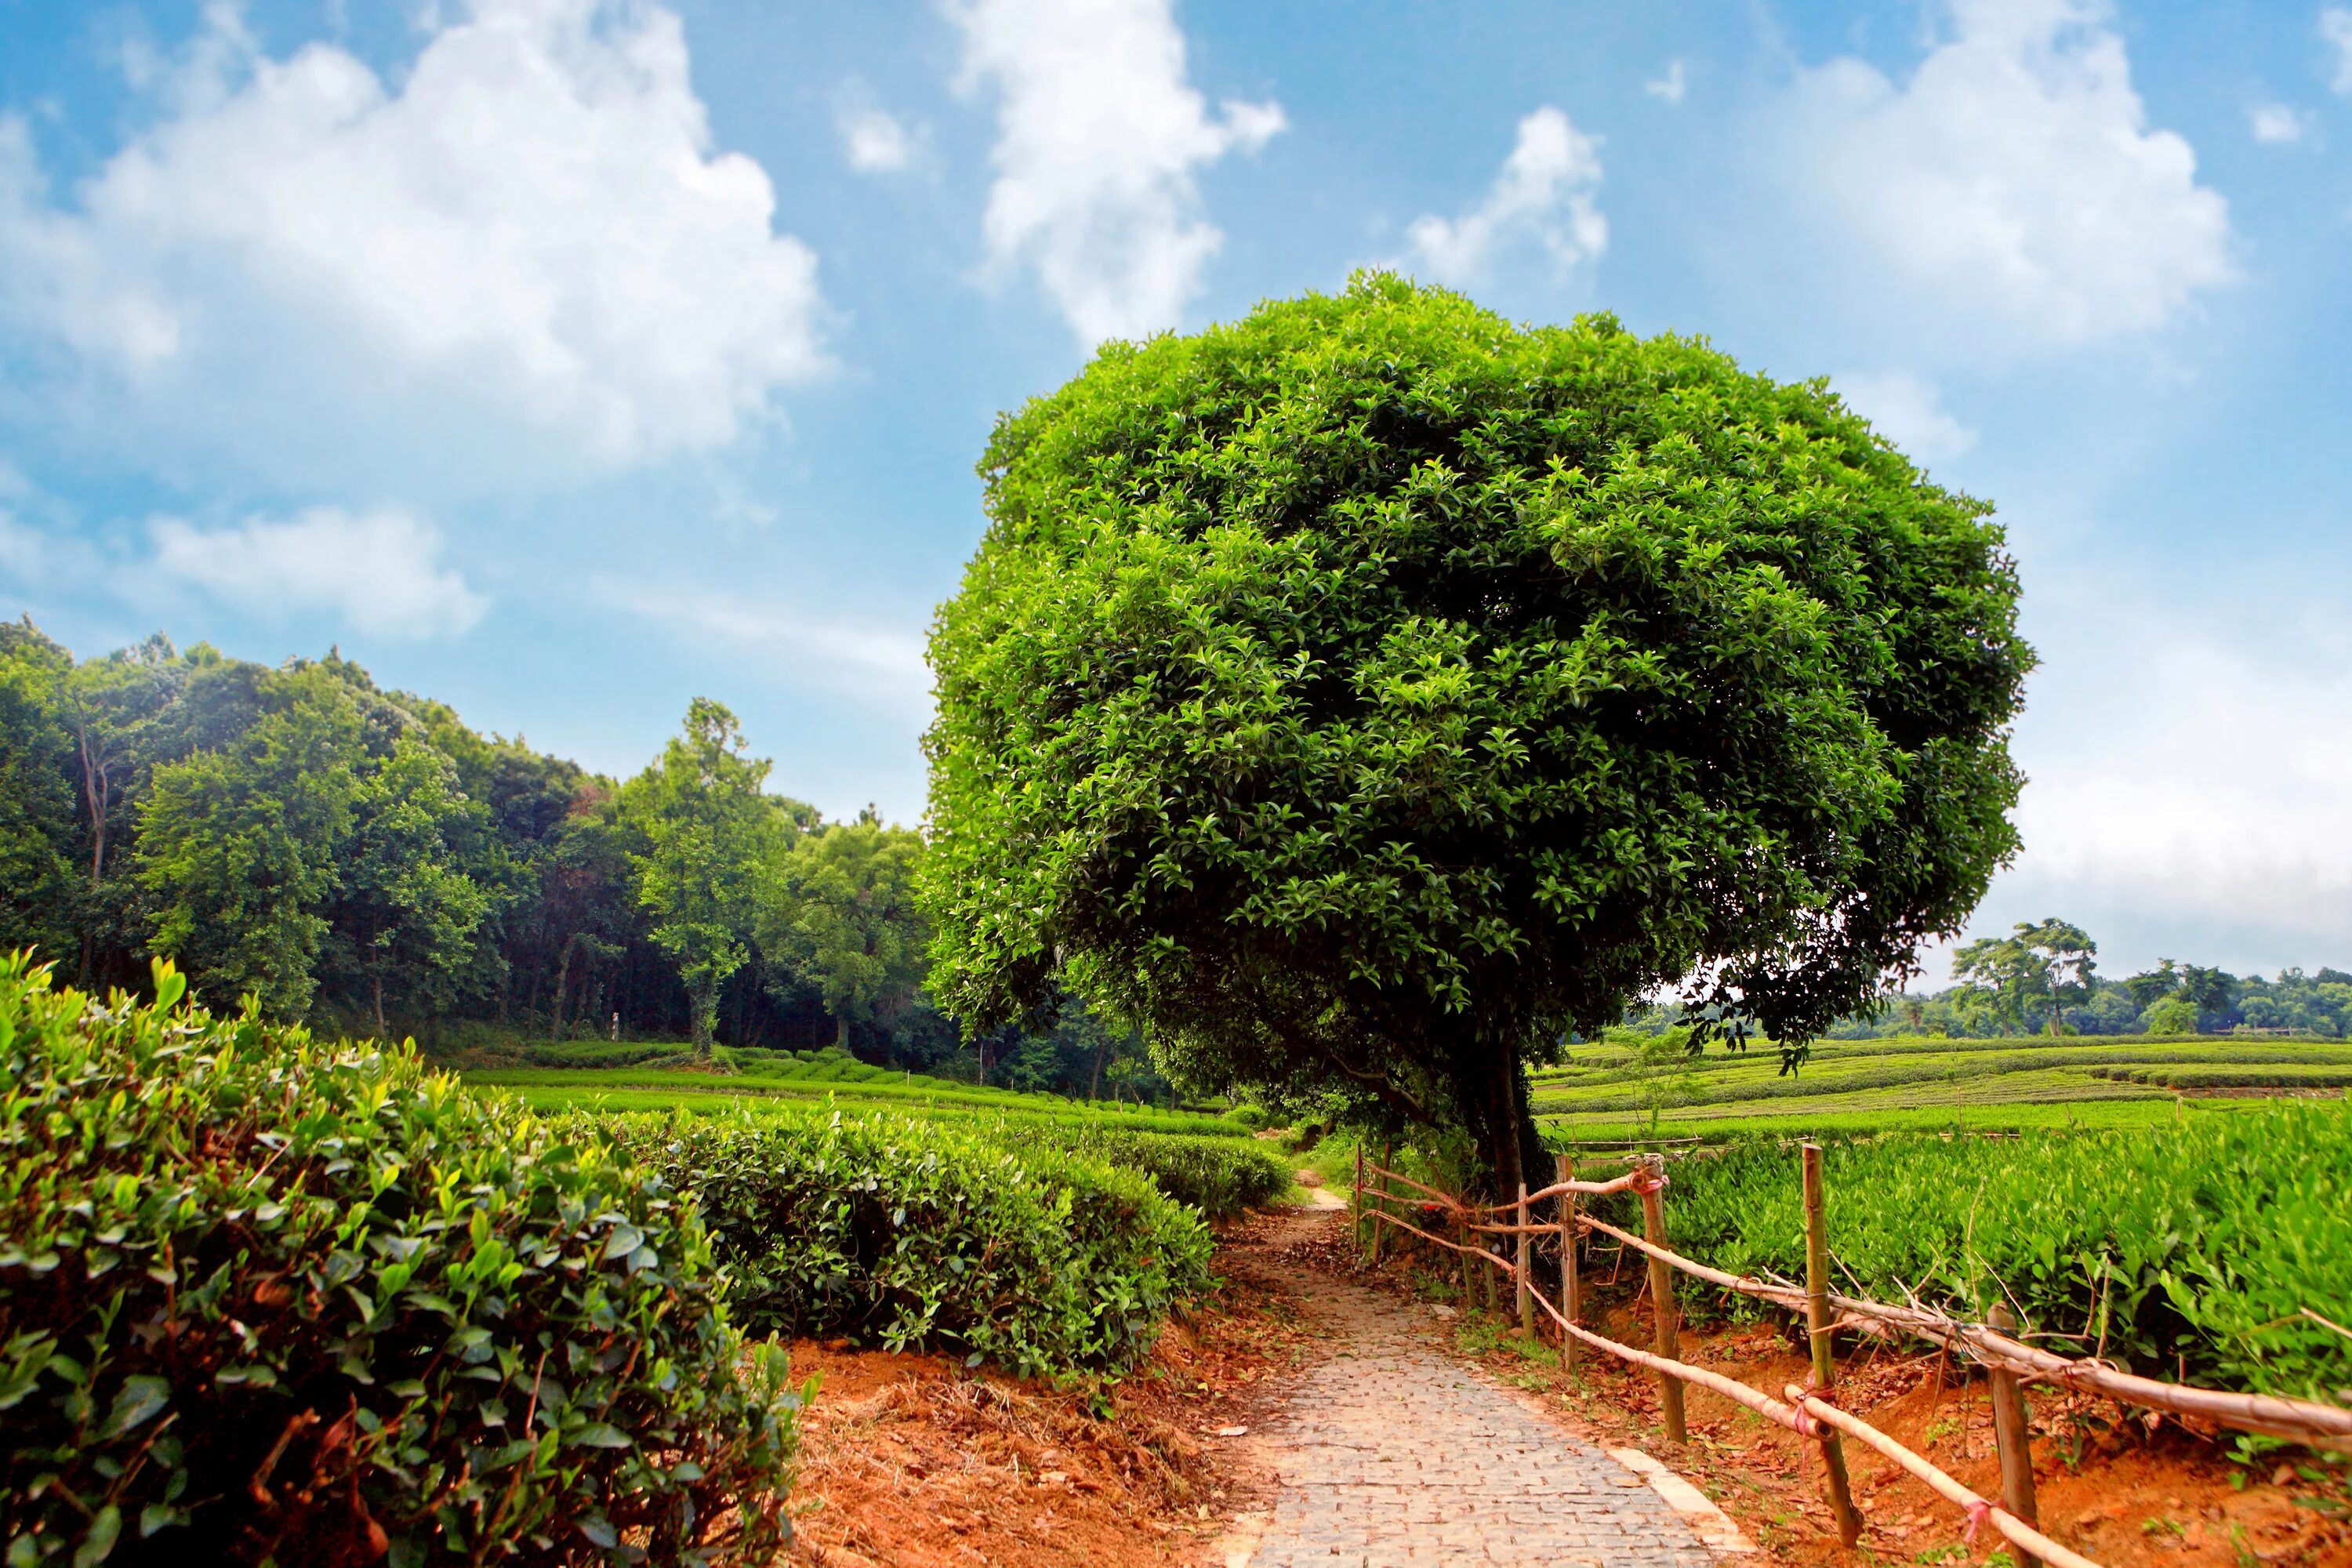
point(1359, 697)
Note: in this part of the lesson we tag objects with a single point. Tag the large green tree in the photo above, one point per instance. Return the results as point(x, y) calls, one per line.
point(36, 797)
point(2040, 964)
point(706, 831)
point(839, 909)
point(238, 846)
point(410, 906)
point(1361, 696)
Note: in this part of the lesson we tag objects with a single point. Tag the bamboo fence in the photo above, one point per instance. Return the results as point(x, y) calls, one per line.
point(1807, 1411)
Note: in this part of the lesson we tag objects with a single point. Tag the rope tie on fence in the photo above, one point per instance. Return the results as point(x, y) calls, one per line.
point(1980, 1513)
point(1644, 1182)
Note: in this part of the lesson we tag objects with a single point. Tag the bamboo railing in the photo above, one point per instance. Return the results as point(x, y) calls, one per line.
point(1809, 1412)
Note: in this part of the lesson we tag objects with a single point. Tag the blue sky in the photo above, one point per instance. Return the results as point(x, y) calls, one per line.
point(566, 361)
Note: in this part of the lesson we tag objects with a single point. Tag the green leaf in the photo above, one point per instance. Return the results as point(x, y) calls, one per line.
point(105, 1528)
point(600, 1435)
point(140, 1397)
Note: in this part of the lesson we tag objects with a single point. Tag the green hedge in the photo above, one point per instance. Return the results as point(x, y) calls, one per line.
point(1219, 1176)
point(907, 1234)
point(263, 1298)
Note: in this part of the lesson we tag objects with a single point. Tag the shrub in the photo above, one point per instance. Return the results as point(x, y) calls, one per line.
point(2189, 1249)
point(1219, 1176)
point(264, 1298)
point(906, 1233)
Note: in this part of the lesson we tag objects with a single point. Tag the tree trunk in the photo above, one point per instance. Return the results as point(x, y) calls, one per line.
point(1094, 1090)
point(841, 1031)
point(562, 979)
point(378, 978)
point(1494, 1091)
point(702, 995)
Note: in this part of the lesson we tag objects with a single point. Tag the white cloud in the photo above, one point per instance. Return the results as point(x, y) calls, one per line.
point(2335, 30)
point(1670, 87)
point(1100, 137)
point(873, 140)
point(2015, 176)
point(380, 571)
point(1908, 411)
point(2207, 781)
point(1546, 192)
point(2275, 122)
point(522, 253)
point(885, 660)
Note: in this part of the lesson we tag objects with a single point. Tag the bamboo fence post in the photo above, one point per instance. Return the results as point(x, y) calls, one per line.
point(1388, 1160)
point(1818, 1322)
point(1356, 1213)
point(1522, 1273)
point(1564, 1167)
point(1667, 1340)
point(1469, 1268)
point(2013, 1435)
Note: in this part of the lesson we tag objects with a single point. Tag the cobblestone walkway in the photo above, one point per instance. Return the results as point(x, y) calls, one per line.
point(1393, 1453)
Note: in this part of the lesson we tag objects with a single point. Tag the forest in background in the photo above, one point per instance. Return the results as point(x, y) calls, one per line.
point(363, 859)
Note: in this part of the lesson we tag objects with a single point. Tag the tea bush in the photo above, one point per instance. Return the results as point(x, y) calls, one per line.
point(267, 1299)
point(1219, 1176)
point(915, 1234)
point(2188, 1250)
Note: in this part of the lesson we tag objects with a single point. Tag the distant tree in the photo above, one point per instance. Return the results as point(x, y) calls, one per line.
point(1359, 697)
point(706, 831)
point(839, 909)
point(37, 881)
point(408, 907)
point(2046, 964)
point(586, 902)
point(2153, 985)
point(238, 846)
point(2174, 1014)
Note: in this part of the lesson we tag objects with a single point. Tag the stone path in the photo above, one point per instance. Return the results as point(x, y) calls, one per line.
point(1392, 1452)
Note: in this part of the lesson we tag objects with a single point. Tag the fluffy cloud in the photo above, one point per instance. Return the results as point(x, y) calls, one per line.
point(1545, 193)
point(873, 140)
point(2335, 31)
point(2015, 175)
point(1908, 411)
point(2220, 806)
point(1100, 138)
point(2275, 123)
point(522, 252)
point(380, 571)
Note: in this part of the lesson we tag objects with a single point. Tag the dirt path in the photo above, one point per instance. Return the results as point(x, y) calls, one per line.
point(1391, 1451)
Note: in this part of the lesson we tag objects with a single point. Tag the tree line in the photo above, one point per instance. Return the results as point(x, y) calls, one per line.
point(2043, 978)
point(360, 858)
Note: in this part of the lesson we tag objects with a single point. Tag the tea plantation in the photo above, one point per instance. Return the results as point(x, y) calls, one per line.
point(1616, 1090)
point(426, 1319)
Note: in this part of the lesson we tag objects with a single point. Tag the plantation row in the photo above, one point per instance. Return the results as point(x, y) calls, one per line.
point(441, 1323)
point(2182, 1251)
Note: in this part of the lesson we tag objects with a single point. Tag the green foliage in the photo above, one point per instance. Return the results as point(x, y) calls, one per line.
point(2171, 1015)
point(263, 1298)
point(238, 846)
point(1219, 1176)
point(2044, 966)
point(840, 909)
point(1361, 694)
point(706, 830)
point(36, 797)
point(2165, 1249)
point(905, 1233)
point(408, 908)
